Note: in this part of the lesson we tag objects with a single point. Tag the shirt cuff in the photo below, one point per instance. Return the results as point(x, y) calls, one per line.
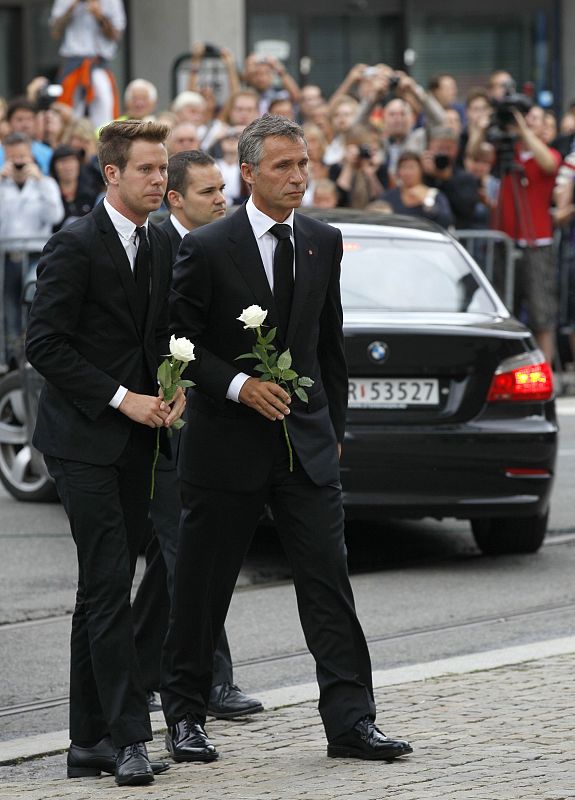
point(118, 397)
point(235, 386)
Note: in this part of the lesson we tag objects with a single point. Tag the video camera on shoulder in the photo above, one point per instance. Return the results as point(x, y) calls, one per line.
point(501, 131)
point(502, 116)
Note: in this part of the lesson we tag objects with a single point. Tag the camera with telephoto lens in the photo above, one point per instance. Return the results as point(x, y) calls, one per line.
point(394, 82)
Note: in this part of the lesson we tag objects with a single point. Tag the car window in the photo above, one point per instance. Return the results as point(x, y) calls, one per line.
point(408, 275)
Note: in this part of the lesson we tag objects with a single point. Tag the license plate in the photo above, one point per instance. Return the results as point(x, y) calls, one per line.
point(393, 392)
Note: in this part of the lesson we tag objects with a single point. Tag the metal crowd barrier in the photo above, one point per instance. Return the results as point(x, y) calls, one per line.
point(495, 252)
point(18, 251)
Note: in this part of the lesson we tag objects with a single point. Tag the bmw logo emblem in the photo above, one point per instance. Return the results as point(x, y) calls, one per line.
point(378, 352)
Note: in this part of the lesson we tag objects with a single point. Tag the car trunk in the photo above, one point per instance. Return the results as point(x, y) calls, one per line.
point(426, 368)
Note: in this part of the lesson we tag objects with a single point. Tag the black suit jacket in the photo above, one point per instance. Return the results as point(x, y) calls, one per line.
point(83, 337)
point(173, 236)
point(218, 273)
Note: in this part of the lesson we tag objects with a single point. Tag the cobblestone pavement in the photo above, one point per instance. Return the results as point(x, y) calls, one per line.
point(497, 734)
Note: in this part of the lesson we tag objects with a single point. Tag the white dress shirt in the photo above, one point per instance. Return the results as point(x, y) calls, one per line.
point(266, 242)
point(178, 226)
point(126, 230)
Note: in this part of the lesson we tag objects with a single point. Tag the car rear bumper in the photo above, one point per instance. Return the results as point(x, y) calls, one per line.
point(463, 473)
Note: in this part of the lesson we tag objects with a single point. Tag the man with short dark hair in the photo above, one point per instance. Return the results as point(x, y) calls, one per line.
point(195, 198)
point(98, 328)
point(21, 117)
point(234, 454)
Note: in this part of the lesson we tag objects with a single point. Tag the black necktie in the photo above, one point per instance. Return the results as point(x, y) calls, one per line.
point(283, 274)
point(142, 275)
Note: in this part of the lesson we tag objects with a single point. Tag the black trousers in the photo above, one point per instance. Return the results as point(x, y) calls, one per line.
point(151, 606)
point(107, 507)
point(216, 530)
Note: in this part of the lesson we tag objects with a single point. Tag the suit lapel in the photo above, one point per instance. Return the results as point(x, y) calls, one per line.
point(119, 258)
point(305, 259)
point(154, 277)
point(244, 252)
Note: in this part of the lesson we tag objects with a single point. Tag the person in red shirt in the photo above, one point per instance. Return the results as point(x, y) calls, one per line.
point(523, 213)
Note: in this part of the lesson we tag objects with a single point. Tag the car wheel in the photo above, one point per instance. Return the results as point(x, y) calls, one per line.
point(20, 477)
point(504, 535)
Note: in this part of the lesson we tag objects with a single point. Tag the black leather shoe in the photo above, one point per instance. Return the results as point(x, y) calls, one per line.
point(187, 741)
point(154, 702)
point(366, 741)
point(227, 701)
point(89, 762)
point(133, 766)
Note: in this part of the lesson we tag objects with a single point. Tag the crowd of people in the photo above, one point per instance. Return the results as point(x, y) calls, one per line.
point(381, 142)
point(100, 321)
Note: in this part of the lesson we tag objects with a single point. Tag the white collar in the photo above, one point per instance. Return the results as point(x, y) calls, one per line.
point(261, 223)
point(180, 229)
point(124, 226)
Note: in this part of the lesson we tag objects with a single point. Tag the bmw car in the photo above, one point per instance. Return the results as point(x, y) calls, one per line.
point(451, 403)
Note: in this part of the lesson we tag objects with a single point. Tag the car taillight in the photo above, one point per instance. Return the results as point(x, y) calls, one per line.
point(526, 377)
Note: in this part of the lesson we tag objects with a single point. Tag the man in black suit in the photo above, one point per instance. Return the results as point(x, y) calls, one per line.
point(195, 198)
point(98, 326)
point(234, 456)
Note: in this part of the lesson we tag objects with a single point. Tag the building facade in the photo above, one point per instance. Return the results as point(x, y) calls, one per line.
point(320, 41)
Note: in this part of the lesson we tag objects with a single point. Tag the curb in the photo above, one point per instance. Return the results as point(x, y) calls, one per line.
point(29, 747)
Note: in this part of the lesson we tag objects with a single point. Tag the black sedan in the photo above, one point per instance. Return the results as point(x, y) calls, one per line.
point(451, 404)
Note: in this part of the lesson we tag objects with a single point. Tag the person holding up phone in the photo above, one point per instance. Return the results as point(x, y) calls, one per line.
point(30, 204)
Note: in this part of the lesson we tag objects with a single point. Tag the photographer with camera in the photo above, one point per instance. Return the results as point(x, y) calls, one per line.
point(30, 203)
point(441, 172)
point(528, 168)
point(261, 73)
point(361, 176)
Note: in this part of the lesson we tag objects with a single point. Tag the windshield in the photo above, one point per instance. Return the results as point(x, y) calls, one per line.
point(409, 275)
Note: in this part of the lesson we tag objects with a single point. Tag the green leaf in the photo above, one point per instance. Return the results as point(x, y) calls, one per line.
point(270, 336)
point(302, 394)
point(276, 372)
point(260, 352)
point(165, 375)
point(170, 393)
point(265, 377)
point(294, 383)
point(185, 384)
point(178, 423)
point(272, 360)
point(245, 355)
point(303, 381)
point(284, 361)
point(260, 368)
point(289, 374)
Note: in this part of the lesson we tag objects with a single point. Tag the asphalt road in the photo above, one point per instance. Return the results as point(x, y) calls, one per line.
point(422, 590)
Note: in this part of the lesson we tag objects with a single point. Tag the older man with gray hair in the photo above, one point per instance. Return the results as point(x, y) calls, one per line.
point(235, 457)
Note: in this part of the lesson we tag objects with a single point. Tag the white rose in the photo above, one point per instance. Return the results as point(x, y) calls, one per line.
point(252, 317)
point(182, 349)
